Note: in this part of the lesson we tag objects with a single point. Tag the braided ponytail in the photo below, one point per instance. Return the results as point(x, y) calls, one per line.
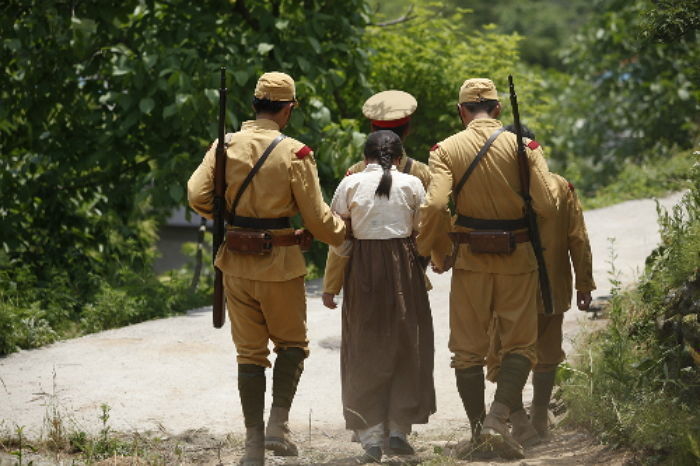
point(383, 147)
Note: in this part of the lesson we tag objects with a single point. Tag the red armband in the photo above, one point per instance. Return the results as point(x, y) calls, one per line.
point(435, 147)
point(303, 152)
point(533, 144)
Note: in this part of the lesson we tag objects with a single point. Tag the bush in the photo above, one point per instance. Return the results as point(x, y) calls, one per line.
point(638, 381)
point(34, 313)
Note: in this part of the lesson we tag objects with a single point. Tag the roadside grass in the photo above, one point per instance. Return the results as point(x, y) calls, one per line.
point(636, 383)
point(36, 312)
point(655, 178)
point(61, 444)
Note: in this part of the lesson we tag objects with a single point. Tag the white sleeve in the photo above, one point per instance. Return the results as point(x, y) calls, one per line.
point(419, 198)
point(344, 249)
point(339, 204)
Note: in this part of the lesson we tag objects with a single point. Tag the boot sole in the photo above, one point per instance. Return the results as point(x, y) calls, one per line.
point(251, 462)
point(530, 441)
point(501, 445)
point(281, 447)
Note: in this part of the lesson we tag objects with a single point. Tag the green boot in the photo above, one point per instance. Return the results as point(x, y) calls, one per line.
point(288, 368)
point(508, 398)
point(254, 446)
point(542, 384)
point(470, 385)
point(251, 389)
point(522, 430)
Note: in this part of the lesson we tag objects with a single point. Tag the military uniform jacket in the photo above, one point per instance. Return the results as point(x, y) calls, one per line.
point(565, 239)
point(286, 184)
point(492, 192)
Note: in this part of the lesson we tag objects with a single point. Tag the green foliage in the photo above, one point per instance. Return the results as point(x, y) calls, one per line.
point(636, 383)
point(671, 20)
point(654, 178)
point(544, 25)
point(628, 99)
point(405, 57)
point(107, 107)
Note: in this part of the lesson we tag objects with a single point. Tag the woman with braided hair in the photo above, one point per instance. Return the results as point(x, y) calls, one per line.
point(387, 342)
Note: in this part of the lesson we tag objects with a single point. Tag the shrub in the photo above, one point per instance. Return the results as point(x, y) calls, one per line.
point(637, 382)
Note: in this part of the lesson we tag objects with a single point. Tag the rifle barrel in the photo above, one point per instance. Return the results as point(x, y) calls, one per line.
point(219, 316)
point(524, 171)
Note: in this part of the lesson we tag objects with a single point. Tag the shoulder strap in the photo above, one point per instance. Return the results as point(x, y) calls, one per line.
point(409, 164)
point(480, 155)
point(253, 172)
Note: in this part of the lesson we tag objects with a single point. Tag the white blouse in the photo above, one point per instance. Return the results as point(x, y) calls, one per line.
point(376, 217)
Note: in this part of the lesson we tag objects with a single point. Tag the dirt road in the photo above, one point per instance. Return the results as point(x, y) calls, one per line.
point(177, 375)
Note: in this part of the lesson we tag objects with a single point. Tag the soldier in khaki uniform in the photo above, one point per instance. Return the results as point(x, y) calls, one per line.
point(390, 110)
point(265, 293)
point(487, 285)
point(566, 244)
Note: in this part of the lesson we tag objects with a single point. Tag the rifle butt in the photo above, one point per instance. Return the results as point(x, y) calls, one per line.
point(219, 314)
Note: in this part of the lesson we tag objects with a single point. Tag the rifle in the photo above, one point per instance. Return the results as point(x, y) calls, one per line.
point(530, 216)
point(219, 315)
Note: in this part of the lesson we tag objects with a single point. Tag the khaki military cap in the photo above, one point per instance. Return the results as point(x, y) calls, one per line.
point(477, 90)
point(275, 86)
point(389, 109)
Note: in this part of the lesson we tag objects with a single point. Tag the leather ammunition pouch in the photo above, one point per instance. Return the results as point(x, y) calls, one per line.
point(261, 242)
point(490, 242)
point(249, 242)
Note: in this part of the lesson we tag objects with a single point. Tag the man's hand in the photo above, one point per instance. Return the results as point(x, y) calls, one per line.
point(444, 267)
point(583, 300)
point(329, 300)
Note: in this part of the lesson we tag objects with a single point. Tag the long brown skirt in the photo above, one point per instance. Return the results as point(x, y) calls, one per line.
point(387, 344)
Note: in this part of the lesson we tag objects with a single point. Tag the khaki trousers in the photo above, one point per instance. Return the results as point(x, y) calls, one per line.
point(266, 311)
point(476, 298)
point(549, 346)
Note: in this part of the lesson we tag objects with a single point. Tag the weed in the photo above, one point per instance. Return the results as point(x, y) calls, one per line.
point(638, 385)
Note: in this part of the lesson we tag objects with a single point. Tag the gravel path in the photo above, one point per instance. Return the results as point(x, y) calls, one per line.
point(179, 373)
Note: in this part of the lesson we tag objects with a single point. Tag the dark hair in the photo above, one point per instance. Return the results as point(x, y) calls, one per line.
point(383, 146)
point(483, 106)
point(268, 106)
point(527, 132)
point(399, 130)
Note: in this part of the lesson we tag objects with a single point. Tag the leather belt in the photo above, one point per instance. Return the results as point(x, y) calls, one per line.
point(486, 224)
point(463, 237)
point(260, 223)
point(289, 239)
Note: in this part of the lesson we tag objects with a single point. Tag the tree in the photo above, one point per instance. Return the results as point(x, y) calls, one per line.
point(432, 55)
point(109, 105)
point(627, 98)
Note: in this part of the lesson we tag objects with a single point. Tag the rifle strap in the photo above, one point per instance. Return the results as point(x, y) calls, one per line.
point(252, 173)
point(480, 155)
point(409, 164)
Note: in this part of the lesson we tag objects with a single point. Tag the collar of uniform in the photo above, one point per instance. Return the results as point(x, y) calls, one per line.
point(260, 123)
point(485, 123)
point(373, 167)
